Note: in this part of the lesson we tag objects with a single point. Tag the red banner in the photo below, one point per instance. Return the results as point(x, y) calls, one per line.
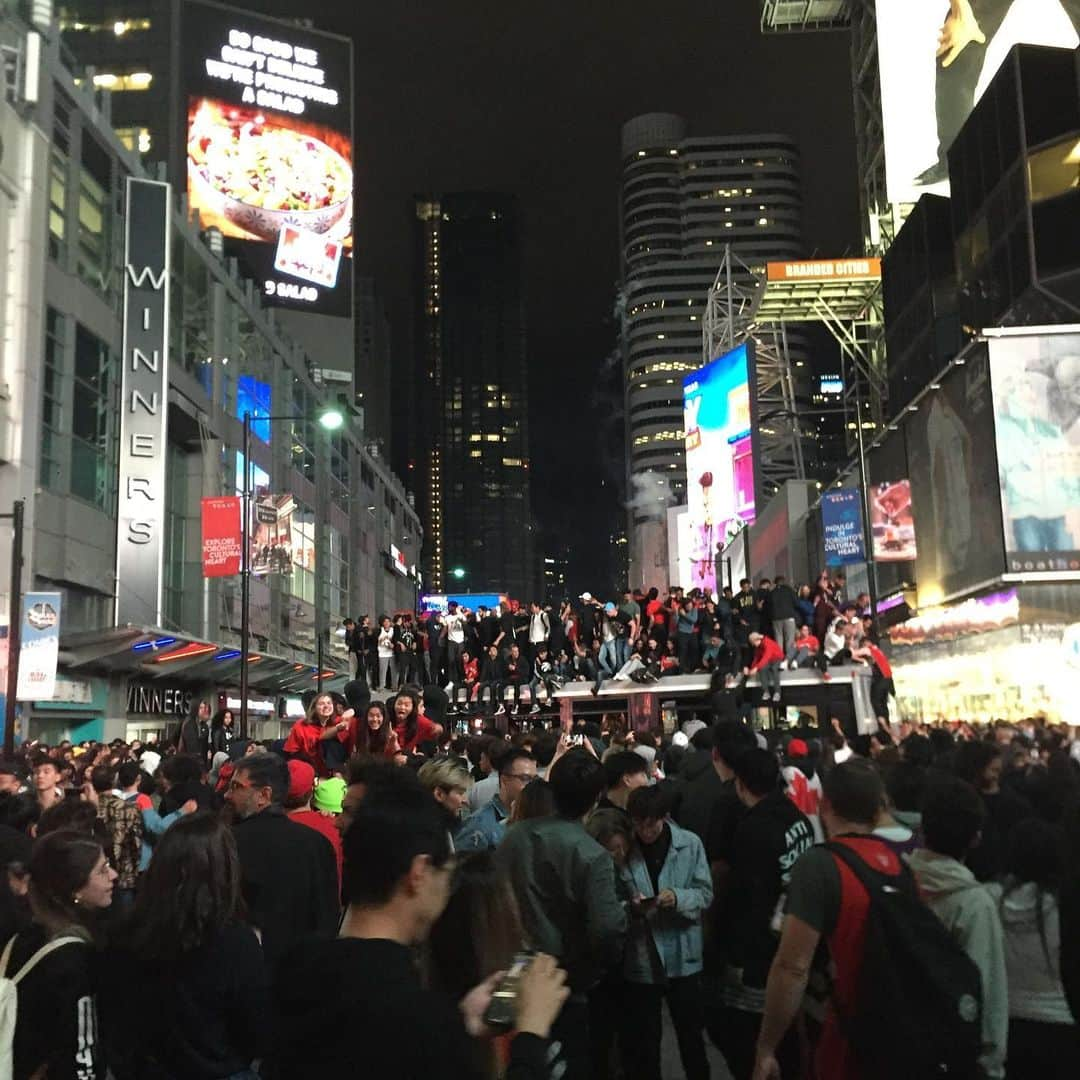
point(221, 536)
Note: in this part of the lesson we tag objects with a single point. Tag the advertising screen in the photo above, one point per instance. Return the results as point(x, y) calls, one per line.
point(842, 526)
point(934, 68)
point(954, 484)
point(1036, 390)
point(253, 396)
point(719, 457)
point(892, 522)
point(269, 155)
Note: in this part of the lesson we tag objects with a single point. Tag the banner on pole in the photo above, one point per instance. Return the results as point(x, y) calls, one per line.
point(221, 544)
point(40, 646)
point(841, 527)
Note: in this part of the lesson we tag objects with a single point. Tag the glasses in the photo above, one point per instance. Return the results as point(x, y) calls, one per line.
point(523, 777)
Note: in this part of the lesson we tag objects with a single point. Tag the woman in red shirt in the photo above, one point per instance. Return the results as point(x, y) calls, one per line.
point(307, 735)
point(410, 725)
point(373, 734)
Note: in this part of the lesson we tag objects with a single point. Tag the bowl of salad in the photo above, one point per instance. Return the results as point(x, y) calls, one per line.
point(261, 176)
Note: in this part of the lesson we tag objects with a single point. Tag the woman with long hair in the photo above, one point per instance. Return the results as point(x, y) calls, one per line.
point(52, 961)
point(318, 726)
point(1044, 1043)
point(202, 1004)
point(374, 735)
point(411, 726)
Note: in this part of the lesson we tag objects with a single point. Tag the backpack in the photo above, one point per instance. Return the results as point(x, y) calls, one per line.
point(919, 1012)
point(9, 997)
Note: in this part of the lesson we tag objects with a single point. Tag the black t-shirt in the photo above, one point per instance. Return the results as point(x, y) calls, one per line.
point(489, 630)
point(655, 854)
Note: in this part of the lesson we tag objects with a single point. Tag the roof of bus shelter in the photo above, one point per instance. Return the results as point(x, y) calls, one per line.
point(153, 653)
point(816, 289)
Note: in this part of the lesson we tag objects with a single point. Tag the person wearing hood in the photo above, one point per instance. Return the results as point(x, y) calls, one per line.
point(1043, 1040)
point(953, 815)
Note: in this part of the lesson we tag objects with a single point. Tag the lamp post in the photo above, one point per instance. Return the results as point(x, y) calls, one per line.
point(330, 419)
point(14, 625)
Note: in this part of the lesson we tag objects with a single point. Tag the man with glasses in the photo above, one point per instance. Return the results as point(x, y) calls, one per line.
point(486, 828)
point(289, 873)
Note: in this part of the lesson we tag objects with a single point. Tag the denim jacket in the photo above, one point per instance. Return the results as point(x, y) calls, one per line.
point(485, 829)
point(675, 933)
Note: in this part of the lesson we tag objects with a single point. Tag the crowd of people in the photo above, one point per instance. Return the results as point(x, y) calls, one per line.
point(379, 895)
point(481, 656)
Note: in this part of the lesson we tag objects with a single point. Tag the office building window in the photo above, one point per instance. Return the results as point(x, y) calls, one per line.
point(95, 220)
point(91, 458)
point(52, 409)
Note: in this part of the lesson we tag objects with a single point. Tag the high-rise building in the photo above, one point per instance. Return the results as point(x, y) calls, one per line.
point(372, 372)
point(469, 456)
point(683, 198)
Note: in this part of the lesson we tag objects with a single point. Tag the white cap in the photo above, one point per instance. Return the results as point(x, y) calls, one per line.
point(679, 739)
point(585, 596)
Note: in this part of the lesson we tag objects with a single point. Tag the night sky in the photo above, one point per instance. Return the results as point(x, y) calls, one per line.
point(530, 99)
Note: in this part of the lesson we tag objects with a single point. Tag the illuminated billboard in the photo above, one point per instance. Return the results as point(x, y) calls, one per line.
point(269, 155)
point(254, 397)
point(1035, 380)
point(717, 403)
point(935, 66)
point(892, 523)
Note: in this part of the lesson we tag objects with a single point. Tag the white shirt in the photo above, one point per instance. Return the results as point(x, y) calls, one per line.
point(455, 628)
point(537, 630)
point(386, 642)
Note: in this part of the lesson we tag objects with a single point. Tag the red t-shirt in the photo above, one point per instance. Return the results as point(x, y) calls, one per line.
point(768, 652)
point(304, 741)
point(883, 665)
point(325, 826)
point(809, 642)
point(425, 732)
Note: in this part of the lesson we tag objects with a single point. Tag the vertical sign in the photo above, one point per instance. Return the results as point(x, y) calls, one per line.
point(221, 544)
point(140, 525)
point(841, 526)
point(39, 646)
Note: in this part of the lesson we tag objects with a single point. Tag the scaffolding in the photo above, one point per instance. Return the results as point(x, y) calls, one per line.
point(731, 318)
point(796, 16)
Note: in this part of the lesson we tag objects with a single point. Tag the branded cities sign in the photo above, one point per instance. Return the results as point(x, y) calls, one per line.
point(140, 523)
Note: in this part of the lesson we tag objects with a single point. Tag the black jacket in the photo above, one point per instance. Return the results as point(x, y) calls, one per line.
point(490, 670)
point(781, 603)
point(290, 880)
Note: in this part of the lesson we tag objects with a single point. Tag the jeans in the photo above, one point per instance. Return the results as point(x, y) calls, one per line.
point(643, 1027)
point(453, 660)
point(494, 690)
point(405, 668)
point(784, 633)
point(687, 653)
point(1041, 534)
point(534, 688)
point(609, 661)
point(622, 650)
point(802, 656)
point(769, 677)
point(956, 84)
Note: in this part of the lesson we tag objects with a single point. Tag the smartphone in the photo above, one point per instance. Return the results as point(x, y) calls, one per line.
point(501, 1013)
point(577, 740)
point(647, 903)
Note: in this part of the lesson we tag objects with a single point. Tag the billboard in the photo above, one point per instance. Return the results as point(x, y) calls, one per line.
point(268, 151)
point(842, 527)
point(892, 523)
point(1035, 379)
point(39, 646)
point(954, 483)
point(935, 66)
point(255, 397)
point(717, 403)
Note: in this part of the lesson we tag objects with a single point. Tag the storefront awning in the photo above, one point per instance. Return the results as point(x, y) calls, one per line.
point(153, 653)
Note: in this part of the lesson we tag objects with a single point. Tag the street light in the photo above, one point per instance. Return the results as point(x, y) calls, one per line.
point(458, 572)
point(329, 419)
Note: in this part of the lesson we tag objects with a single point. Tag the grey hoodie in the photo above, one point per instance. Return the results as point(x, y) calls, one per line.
point(1035, 990)
point(970, 914)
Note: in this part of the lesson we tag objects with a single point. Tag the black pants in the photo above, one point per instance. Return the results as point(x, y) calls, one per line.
point(687, 645)
point(643, 1027)
point(1043, 1051)
point(606, 1006)
point(956, 84)
point(571, 1031)
point(735, 1033)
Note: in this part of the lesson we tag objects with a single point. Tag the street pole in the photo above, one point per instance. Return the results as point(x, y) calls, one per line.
point(868, 532)
point(245, 579)
point(319, 661)
point(14, 626)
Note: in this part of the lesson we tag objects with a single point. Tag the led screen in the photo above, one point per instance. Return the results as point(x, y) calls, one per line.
point(926, 97)
point(1035, 380)
point(253, 396)
point(719, 458)
point(892, 523)
point(268, 151)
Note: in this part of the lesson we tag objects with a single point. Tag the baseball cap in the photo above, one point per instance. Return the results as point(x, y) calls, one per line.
point(329, 795)
point(610, 609)
point(301, 779)
point(798, 748)
point(586, 596)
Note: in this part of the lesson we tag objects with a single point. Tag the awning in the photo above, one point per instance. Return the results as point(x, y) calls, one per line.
point(152, 653)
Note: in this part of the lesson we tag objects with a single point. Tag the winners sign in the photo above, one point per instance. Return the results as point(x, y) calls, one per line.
point(140, 523)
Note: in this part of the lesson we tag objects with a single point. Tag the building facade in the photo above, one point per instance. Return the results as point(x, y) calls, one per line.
point(683, 198)
point(66, 173)
point(469, 455)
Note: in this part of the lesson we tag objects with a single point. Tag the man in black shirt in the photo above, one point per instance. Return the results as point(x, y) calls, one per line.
point(380, 1021)
point(781, 611)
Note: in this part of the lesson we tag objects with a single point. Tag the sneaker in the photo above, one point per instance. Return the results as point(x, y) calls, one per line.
point(826, 677)
point(729, 682)
point(776, 695)
point(534, 710)
point(501, 710)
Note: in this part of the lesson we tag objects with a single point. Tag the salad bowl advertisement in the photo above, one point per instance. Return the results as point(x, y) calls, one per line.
point(268, 151)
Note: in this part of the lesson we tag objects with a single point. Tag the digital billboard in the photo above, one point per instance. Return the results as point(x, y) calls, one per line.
point(936, 59)
point(253, 396)
point(954, 483)
point(892, 523)
point(842, 526)
point(269, 153)
point(1036, 390)
point(717, 402)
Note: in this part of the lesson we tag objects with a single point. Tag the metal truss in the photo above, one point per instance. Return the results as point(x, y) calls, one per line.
point(800, 16)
